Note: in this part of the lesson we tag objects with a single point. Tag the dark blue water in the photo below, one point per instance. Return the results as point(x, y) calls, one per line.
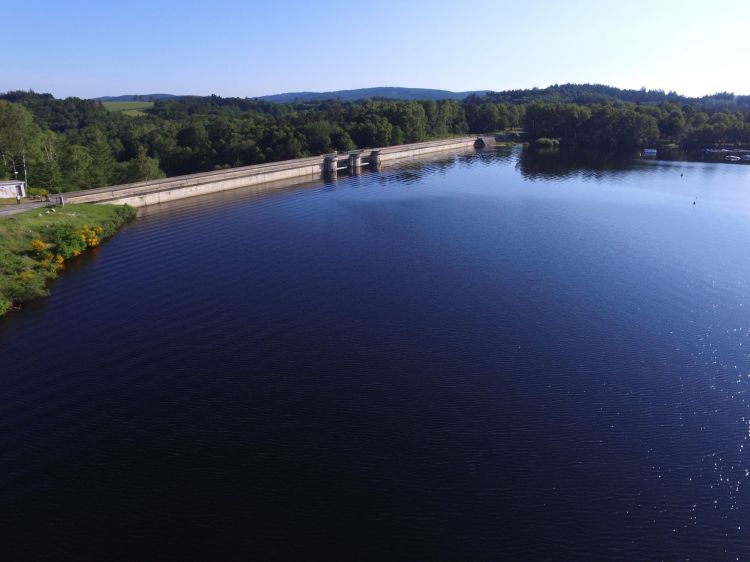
point(478, 357)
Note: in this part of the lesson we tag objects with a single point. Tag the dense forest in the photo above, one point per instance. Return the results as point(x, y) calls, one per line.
point(69, 144)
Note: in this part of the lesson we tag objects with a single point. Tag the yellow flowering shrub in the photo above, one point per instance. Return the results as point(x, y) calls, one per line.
point(38, 246)
point(34, 247)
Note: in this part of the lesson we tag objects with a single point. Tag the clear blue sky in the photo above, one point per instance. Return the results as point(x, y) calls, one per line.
point(250, 48)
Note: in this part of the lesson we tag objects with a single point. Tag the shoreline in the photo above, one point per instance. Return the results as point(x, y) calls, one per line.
point(36, 243)
point(37, 238)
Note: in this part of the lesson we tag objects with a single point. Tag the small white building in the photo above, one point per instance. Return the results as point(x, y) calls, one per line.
point(12, 188)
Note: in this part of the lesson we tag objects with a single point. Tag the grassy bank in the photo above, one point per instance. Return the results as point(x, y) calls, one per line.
point(130, 108)
point(35, 245)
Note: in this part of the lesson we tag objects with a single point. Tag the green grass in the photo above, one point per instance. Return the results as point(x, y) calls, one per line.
point(9, 201)
point(34, 245)
point(131, 108)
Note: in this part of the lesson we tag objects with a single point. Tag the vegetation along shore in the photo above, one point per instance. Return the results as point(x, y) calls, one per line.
point(35, 245)
point(72, 144)
point(62, 145)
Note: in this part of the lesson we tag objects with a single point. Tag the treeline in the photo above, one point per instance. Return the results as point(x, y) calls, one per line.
point(586, 94)
point(70, 144)
point(629, 126)
point(77, 144)
point(77, 147)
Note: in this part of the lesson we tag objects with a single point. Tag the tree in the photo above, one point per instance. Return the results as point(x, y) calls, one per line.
point(673, 125)
point(342, 141)
point(19, 138)
point(193, 136)
point(49, 175)
point(75, 161)
point(141, 168)
point(410, 118)
point(101, 170)
point(634, 129)
point(374, 131)
point(483, 118)
point(318, 135)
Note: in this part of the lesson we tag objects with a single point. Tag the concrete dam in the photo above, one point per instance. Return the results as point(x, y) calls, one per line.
point(153, 192)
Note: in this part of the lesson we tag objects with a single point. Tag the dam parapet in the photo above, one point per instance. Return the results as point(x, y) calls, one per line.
point(153, 192)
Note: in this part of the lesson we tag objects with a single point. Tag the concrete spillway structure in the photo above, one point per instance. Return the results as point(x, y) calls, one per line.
point(153, 192)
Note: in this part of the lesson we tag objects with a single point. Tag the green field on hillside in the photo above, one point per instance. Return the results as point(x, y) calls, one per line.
point(131, 108)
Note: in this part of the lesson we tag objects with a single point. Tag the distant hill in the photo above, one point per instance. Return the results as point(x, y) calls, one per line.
point(391, 93)
point(566, 93)
point(571, 93)
point(139, 97)
point(601, 93)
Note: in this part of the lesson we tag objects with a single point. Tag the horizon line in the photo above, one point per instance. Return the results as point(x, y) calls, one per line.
point(303, 91)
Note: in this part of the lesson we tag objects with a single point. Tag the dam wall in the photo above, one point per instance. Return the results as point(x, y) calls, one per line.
point(153, 192)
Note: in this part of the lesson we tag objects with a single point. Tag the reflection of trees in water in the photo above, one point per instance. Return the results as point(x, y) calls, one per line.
point(403, 175)
point(504, 154)
point(534, 163)
point(410, 172)
point(678, 154)
point(672, 154)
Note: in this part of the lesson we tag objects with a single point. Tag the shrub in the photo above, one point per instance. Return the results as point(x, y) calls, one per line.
point(67, 240)
point(39, 247)
point(4, 305)
point(544, 142)
point(26, 286)
point(41, 192)
point(33, 248)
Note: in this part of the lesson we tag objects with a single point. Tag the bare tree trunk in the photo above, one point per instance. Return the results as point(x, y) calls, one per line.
point(49, 157)
point(15, 170)
point(25, 173)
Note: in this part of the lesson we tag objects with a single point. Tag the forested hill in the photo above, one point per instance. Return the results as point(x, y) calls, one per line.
point(558, 93)
point(598, 93)
point(565, 93)
point(370, 93)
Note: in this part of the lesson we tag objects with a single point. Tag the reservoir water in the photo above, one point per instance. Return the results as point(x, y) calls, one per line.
point(504, 354)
